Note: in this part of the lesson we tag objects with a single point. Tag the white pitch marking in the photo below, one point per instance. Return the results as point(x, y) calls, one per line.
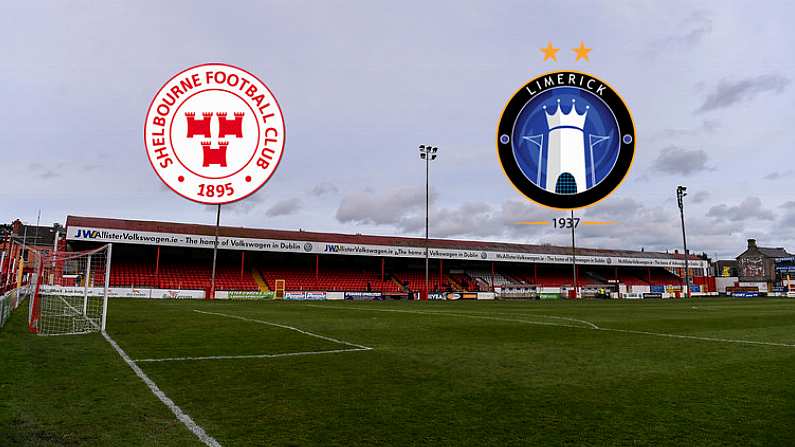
point(452, 314)
point(250, 356)
point(627, 331)
point(694, 337)
point(585, 322)
point(181, 415)
point(593, 325)
point(284, 326)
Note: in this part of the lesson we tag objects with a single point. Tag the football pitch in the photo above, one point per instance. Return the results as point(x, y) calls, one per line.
point(688, 372)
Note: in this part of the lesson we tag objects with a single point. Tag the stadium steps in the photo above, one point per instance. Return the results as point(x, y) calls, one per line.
point(598, 278)
point(402, 287)
point(263, 286)
point(482, 283)
point(456, 286)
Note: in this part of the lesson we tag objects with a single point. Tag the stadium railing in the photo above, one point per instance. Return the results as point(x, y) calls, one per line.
point(9, 302)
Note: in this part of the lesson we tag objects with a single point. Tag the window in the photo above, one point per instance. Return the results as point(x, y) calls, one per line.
point(566, 184)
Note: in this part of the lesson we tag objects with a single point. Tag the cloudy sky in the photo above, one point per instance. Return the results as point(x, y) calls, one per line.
point(362, 83)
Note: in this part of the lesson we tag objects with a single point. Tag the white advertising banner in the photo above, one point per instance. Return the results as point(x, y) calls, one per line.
point(295, 246)
point(123, 292)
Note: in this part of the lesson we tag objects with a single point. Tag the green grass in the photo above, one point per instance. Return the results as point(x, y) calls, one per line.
point(444, 373)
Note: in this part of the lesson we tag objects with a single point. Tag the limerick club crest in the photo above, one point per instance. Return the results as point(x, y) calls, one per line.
point(566, 140)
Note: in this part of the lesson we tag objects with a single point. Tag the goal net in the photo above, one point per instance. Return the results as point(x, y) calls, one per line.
point(68, 291)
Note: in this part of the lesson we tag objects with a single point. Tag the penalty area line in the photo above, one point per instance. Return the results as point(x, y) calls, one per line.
point(249, 356)
point(284, 326)
point(451, 314)
point(183, 417)
point(695, 337)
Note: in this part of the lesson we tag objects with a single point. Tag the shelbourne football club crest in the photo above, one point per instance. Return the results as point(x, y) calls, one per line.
point(566, 140)
point(214, 133)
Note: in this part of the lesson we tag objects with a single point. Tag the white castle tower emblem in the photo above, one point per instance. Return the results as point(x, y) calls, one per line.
point(566, 150)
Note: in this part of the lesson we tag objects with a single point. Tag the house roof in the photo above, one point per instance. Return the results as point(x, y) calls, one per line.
point(777, 252)
point(33, 235)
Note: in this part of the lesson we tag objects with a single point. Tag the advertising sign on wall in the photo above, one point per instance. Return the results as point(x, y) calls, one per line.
point(315, 296)
point(244, 295)
point(363, 296)
point(745, 294)
point(294, 295)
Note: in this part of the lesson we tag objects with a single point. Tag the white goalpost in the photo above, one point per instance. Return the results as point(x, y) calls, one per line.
point(69, 291)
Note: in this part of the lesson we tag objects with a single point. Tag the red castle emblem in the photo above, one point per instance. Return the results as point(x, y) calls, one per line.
point(232, 126)
point(226, 127)
point(199, 127)
point(215, 156)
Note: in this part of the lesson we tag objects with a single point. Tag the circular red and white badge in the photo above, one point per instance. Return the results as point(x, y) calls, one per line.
point(214, 133)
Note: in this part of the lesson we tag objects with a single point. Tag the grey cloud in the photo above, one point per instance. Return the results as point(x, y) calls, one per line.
point(43, 172)
point(619, 209)
point(637, 226)
point(728, 93)
point(55, 169)
point(387, 208)
point(782, 232)
point(244, 207)
point(775, 175)
point(700, 197)
point(657, 228)
point(749, 209)
point(284, 208)
point(480, 219)
point(690, 32)
point(324, 188)
point(706, 127)
point(677, 160)
point(404, 210)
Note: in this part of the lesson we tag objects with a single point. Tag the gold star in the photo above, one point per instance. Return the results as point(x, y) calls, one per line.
point(581, 52)
point(550, 51)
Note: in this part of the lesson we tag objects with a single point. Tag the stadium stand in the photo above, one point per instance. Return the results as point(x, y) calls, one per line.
point(309, 261)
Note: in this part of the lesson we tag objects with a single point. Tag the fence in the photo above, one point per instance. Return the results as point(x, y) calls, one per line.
point(9, 302)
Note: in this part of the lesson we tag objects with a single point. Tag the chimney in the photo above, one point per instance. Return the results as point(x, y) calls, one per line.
point(751, 243)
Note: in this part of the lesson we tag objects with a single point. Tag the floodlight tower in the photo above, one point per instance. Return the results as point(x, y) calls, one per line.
point(427, 153)
point(680, 195)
